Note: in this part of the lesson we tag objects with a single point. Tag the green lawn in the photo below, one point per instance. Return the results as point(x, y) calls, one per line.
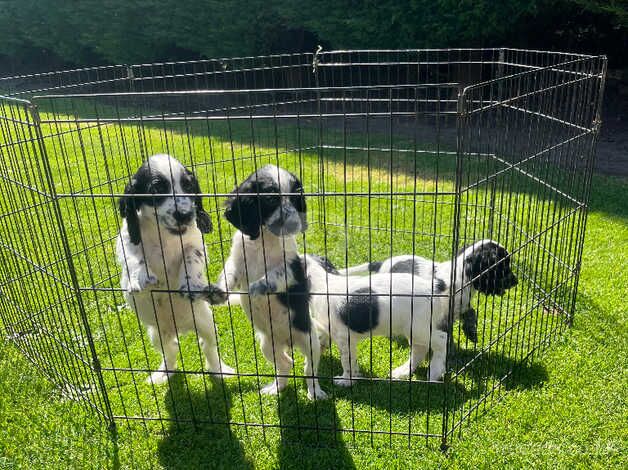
point(565, 408)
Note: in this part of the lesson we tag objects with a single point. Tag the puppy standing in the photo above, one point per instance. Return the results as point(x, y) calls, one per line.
point(393, 303)
point(426, 269)
point(264, 265)
point(160, 249)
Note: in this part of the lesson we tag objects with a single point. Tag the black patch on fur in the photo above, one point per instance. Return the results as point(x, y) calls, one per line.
point(298, 201)
point(375, 266)
point(489, 267)
point(246, 210)
point(190, 185)
point(408, 266)
point(297, 297)
point(325, 264)
point(361, 312)
point(198, 253)
point(129, 205)
point(405, 266)
point(440, 285)
point(469, 321)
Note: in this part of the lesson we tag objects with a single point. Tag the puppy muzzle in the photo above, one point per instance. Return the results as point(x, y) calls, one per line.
point(180, 216)
point(288, 222)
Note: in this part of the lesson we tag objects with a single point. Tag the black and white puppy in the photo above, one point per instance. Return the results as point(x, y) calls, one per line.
point(264, 266)
point(161, 251)
point(392, 303)
point(428, 269)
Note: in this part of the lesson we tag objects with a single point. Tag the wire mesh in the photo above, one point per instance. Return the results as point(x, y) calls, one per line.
point(415, 152)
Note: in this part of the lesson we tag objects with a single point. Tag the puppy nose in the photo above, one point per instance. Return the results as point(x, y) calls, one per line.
point(182, 217)
point(292, 225)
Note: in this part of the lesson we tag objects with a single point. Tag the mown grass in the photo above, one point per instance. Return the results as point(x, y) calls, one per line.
point(564, 409)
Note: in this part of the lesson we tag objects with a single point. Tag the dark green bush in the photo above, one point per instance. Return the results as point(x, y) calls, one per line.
point(123, 31)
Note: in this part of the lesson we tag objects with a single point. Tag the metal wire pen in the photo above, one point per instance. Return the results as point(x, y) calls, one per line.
point(416, 152)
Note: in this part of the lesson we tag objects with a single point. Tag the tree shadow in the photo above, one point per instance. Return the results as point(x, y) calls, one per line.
point(343, 144)
point(201, 436)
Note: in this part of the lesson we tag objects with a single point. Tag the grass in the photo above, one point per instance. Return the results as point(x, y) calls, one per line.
point(563, 409)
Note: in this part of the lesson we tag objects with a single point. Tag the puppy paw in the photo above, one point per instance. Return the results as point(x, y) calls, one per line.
point(158, 377)
point(223, 370)
point(470, 325)
point(317, 394)
point(343, 381)
point(193, 292)
point(436, 373)
point(261, 287)
point(215, 295)
point(323, 340)
point(401, 372)
point(141, 281)
point(271, 389)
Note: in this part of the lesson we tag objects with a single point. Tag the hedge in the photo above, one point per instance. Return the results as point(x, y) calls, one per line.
point(126, 31)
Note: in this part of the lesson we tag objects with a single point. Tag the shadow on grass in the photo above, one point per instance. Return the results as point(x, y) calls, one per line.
point(206, 440)
point(308, 431)
point(310, 434)
point(565, 175)
point(398, 396)
point(481, 372)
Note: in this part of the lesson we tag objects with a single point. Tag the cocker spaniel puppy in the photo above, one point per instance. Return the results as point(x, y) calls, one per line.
point(392, 302)
point(161, 251)
point(427, 269)
point(264, 266)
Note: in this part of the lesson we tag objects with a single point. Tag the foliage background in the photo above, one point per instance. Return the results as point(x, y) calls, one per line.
point(122, 31)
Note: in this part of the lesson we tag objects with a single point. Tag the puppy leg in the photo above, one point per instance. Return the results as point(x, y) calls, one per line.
point(437, 365)
point(207, 340)
point(323, 340)
point(168, 345)
point(310, 347)
point(470, 324)
point(276, 355)
point(349, 359)
point(417, 354)
point(193, 281)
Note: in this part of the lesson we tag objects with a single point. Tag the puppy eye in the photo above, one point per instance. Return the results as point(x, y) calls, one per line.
point(160, 186)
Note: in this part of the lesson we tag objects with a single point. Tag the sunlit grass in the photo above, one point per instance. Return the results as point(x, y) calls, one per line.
point(92, 165)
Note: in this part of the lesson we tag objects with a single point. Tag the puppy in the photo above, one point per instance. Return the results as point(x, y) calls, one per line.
point(392, 303)
point(427, 269)
point(160, 248)
point(264, 266)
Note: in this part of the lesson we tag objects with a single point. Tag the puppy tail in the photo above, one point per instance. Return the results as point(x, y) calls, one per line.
point(361, 269)
point(288, 358)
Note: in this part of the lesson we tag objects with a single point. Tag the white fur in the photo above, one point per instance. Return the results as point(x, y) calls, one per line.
point(407, 307)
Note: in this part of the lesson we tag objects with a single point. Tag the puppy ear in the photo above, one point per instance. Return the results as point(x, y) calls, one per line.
point(483, 265)
point(243, 212)
point(203, 220)
point(128, 211)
